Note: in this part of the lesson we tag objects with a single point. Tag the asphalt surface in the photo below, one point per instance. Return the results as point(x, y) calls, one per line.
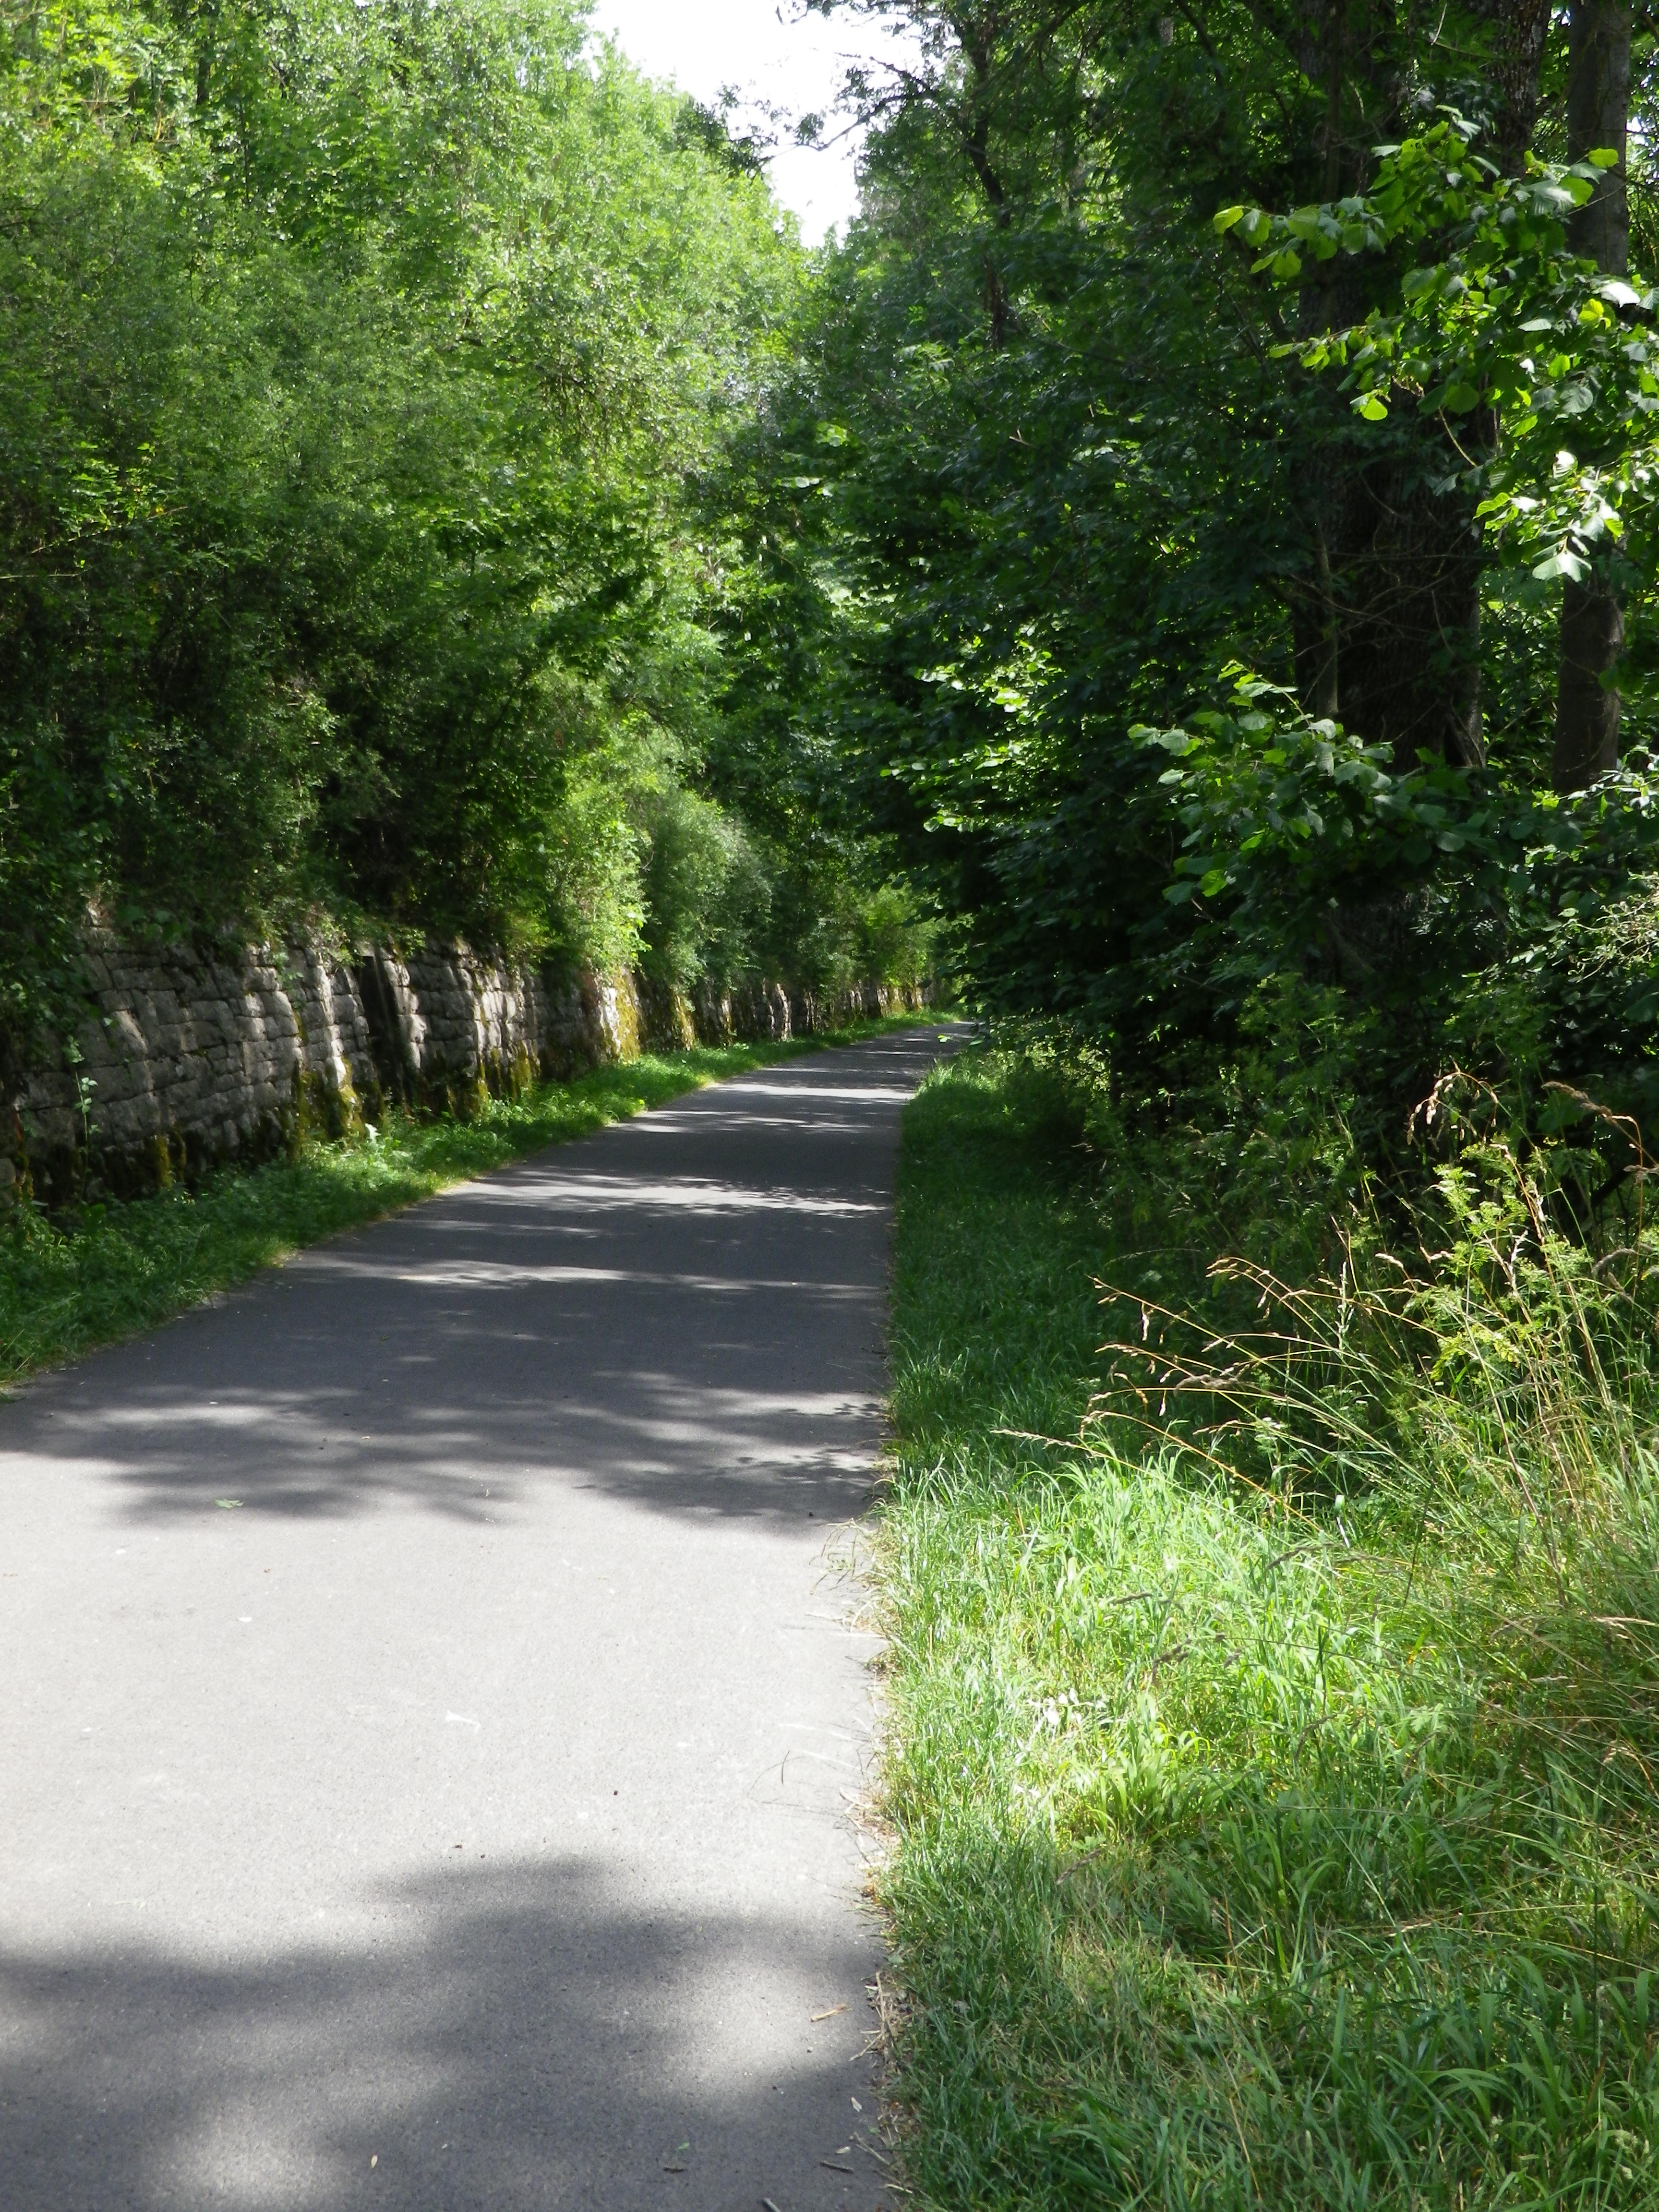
point(434, 1702)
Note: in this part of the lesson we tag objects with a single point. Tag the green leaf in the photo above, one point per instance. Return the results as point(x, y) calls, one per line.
point(1371, 408)
point(1561, 564)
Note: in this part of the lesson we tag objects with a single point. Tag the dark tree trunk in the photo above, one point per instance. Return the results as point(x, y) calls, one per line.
point(1408, 611)
point(1586, 708)
point(1316, 636)
point(1598, 115)
point(1387, 619)
point(1520, 30)
point(1592, 623)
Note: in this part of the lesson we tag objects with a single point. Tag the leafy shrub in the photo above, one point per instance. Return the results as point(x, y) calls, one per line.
point(595, 870)
point(357, 369)
point(895, 944)
point(706, 895)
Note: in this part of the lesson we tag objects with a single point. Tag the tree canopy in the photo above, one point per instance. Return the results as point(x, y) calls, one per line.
point(1232, 428)
point(1194, 532)
point(368, 390)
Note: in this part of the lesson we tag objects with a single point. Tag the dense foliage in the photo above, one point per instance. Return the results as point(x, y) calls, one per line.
point(1196, 535)
point(371, 531)
point(1234, 430)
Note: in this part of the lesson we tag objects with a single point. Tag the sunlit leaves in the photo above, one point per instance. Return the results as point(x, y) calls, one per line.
point(361, 369)
point(1491, 274)
point(1281, 815)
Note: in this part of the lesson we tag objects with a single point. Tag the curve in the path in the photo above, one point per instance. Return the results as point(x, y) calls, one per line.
point(431, 1706)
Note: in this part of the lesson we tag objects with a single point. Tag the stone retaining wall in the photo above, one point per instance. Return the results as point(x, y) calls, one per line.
point(187, 1063)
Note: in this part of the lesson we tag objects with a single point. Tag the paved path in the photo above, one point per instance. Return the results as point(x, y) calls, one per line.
point(430, 1707)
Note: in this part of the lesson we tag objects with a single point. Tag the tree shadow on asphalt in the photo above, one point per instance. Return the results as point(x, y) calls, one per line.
point(655, 1441)
point(506, 2037)
point(366, 1375)
point(685, 1312)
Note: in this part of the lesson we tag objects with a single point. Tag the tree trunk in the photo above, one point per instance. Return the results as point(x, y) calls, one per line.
point(1520, 32)
point(1592, 623)
point(1409, 639)
point(1386, 617)
point(1386, 627)
point(1586, 708)
point(1598, 115)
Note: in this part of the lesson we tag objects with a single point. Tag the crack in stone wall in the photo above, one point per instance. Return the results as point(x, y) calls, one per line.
point(184, 1063)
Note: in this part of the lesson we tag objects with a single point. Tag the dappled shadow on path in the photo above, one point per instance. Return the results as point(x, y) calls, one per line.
point(685, 1311)
point(498, 2037)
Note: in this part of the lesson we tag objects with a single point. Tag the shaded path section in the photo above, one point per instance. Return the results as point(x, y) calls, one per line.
point(432, 1705)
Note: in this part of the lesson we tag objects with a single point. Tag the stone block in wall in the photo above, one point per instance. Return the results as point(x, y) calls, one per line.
point(750, 1013)
point(668, 1021)
point(394, 1023)
point(182, 1062)
point(713, 1015)
point(179, 1059)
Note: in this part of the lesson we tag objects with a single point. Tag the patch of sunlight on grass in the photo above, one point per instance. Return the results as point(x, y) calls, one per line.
point(1288, 1849)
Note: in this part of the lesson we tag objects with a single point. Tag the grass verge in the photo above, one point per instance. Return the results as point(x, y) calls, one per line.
point(1272, 1781)
point(118, 1268)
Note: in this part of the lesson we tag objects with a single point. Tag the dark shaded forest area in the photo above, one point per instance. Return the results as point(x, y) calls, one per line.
point(1238, 422)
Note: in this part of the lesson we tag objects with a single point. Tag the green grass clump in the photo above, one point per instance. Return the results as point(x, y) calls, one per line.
point(1275, 1701)
point(69, 1283)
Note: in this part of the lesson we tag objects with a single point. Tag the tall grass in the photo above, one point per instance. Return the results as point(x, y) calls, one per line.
point(1275, 1681)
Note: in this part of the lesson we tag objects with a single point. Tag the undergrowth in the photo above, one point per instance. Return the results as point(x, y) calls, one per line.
point(67, 1284)
point(1274, 1673)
